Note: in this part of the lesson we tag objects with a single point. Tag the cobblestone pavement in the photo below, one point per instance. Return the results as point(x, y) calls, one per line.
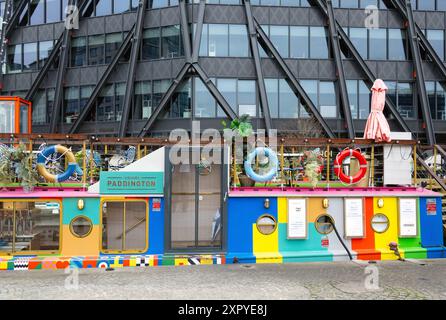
point(333, 280)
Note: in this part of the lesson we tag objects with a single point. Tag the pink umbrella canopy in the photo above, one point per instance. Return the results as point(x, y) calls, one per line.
point(377, 127)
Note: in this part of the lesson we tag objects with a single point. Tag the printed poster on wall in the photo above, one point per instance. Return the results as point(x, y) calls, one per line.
point(297, 219)
point(354, 218)
point(408, 217)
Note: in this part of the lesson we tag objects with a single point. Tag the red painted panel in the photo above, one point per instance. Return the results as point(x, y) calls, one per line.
point(365, 247)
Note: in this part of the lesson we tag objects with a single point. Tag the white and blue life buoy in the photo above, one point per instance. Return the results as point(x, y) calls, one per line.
point(43, 156)
point(273, 160)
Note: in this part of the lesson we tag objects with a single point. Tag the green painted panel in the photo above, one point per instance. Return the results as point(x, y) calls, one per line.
point(90, 210)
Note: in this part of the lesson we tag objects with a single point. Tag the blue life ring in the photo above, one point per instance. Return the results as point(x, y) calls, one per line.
point(42, 157)
point(272, 160)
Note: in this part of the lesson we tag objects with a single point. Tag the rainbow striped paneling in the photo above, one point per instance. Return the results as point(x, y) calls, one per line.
point(247, 244)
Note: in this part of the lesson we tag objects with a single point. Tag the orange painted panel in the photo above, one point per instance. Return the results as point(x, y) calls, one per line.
point(315, 209)
point(365, 247)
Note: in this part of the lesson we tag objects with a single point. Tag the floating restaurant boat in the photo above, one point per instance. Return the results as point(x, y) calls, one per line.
point(150, 212)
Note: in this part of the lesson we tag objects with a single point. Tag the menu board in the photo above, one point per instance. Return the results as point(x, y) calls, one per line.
point(297, 219)
point(408, 217)
point(354, 217)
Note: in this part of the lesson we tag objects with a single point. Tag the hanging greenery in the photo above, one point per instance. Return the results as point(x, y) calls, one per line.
point(313, 162)
point(17, 164)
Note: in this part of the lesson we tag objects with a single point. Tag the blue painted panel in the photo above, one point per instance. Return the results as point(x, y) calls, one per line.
point(90, 210)
point(156, 227)
point(431, 225)
point(242, 213)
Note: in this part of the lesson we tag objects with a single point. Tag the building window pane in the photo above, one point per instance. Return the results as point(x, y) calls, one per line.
point(247, 97)
point(352, 89)
point(318, 43)
point(288, 102)
point(30, 56)
point(397, 44)
point(349, 3)
point(272, 92)
point(86, 92)
point(436, 39)
point(159, 88)
point(441, 102)
point(96, 49)
point(392, 92)
point(151, 44)
point(103, 8)
point(365, 3)
point(170, 41)
point(158, 3)
point(228, 88)
point(204, 102)
point(377, 44)
point(119, 99)
point(364, 100)
point(327, 99)
point(204, 40)
point(279, 37)
point(112, 44)
point(143, 100)
point(405, 100)
point(430, 89)
point(39, 108)
point(181, 101)
point(358, 36)
point(238, 41)
point(441, 5)
point(37, 12)
point(428, 5)
point(71, 104)
point(299, 42)
point(218, 40)
point(105, 107)
point(120, 6)
point(14, 58)
point(78, 52)
point(53, 11)
point(310, 87)
point(45, 48)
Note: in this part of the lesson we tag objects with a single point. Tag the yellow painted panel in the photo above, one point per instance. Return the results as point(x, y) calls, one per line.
point(282, 204)
point(73, 246)
point(315, 209)
point(382, 240)
point(266, 247)
point(132, 262)
point(206, 259)
point(181, 262)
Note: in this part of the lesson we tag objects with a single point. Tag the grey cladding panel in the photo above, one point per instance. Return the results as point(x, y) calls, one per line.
point(278, 15)
point(151, 19)
point(144, 71)
point(96, 25)
point(23, 81)
point(224, 14)
point(119, 74)
point(300, 17)
point(394, 20)
point(113, 23)
point(351, 70)
point(420, 18)
point(72, 77)
point(90, 75)
point(30, 34)
point(342, 17)
point(317, 18)
point(170, 16)
point(129, 20)
point(161, 69)
point(387, 70)
point(404, 70)
point(327, 69)
point(435, 20)
point(46, 32)
point(261, 15)
point(308, 68)
point(9, 82)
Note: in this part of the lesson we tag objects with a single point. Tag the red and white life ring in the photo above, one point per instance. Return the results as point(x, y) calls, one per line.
point(338, 166)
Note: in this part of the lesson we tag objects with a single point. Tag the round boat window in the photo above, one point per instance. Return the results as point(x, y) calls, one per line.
point(81, 226)
point(266, 224)
point(380, 223)
point(324, 224)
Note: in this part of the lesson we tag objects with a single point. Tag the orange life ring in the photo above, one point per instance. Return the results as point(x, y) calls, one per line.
point(338, 166)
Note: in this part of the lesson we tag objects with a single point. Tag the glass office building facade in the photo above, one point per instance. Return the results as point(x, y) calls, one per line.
point(297, 29)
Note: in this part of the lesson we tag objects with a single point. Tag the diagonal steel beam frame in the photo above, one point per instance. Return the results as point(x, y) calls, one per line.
point(63, 59)
point(258, 66)
point(166, 98)
point(364, 67)
point(198, 31)
point(268, 46)
point(15, 18)
point(131, 73)
point(340, 70)
point(422, 38)
point(42, 73)
point(185, 30)
point(102, 81)
point(419, 73)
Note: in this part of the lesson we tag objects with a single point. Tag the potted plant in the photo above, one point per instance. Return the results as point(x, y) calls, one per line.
point(243, 128)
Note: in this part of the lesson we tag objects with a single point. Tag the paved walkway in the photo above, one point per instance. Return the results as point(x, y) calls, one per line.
point(333, 280)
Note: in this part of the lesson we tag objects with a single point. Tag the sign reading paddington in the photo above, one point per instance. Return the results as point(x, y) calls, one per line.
point(122, 182)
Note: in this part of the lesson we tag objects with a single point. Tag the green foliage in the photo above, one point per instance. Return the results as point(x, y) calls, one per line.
point(312, 167)
point(242, 126)
point(18, 163)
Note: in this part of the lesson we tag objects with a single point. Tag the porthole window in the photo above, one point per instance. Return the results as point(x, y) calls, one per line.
point(266, 224)
point(81, 226)
point(380, 223)
point(324, 224)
